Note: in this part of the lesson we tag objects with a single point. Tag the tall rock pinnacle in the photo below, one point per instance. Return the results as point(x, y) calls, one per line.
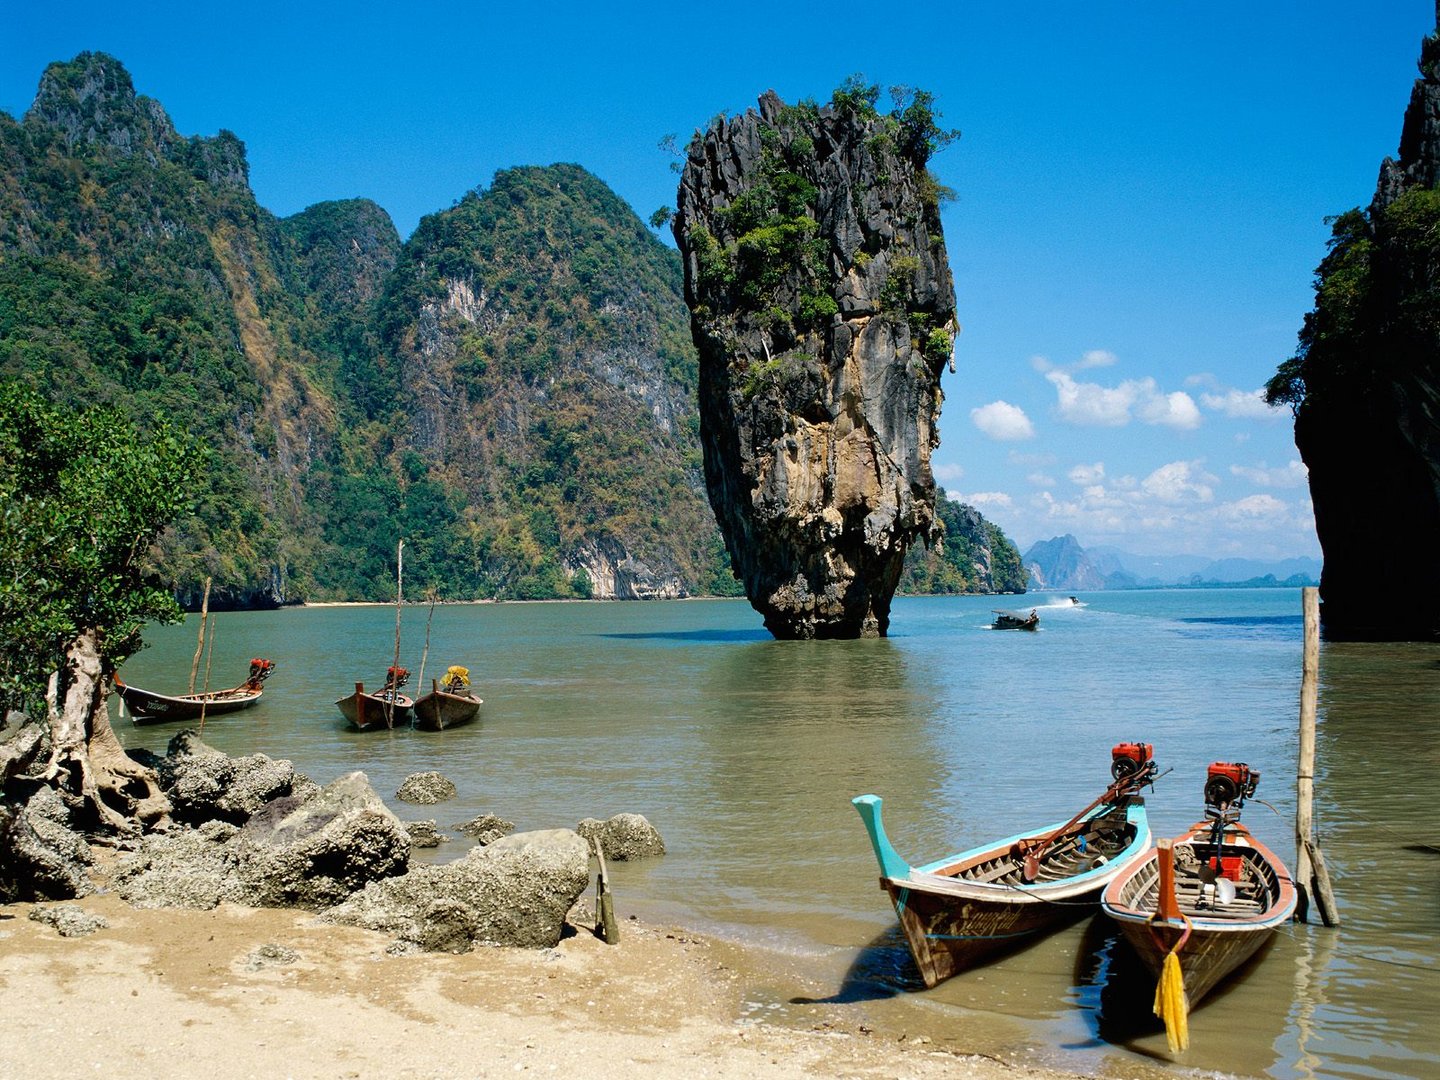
point(1365, 387)
point(823, 311)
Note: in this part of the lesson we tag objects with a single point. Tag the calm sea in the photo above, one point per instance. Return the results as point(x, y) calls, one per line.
point(745, 753)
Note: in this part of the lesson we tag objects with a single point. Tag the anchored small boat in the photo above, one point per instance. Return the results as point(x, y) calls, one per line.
point(1014, 620)
point(148, 707)
point(383, 709)
point(1200, 905)
point(449, 704)
point(966, 908)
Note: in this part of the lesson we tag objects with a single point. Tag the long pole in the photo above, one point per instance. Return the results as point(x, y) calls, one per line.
point(1310, 876)
point(200, 644)
point(399, 599)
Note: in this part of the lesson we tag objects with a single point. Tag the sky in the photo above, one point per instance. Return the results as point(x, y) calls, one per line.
point(1141, 189)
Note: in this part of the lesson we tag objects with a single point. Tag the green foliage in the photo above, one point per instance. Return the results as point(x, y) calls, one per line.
point(83, 496)
point(958, 566)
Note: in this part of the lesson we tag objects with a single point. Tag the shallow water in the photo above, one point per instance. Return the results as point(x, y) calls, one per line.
point(745, 753)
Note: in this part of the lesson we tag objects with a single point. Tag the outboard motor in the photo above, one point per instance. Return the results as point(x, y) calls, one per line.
point(1227, 785)
point(1133, 762)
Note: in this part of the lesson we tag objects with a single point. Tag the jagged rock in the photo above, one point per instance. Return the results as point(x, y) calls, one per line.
point(822, 329)
point(204, 784)
point(515, 891)
point(623, 837)
point(270, 956)
point(307, 854)
point(41, 858)
point(319, 852)
point(1365, 386)
point(487, 828)
point(424, 834)
point(425, 788)
point(69, 920)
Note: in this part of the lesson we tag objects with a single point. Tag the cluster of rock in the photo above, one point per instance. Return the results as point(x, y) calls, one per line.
point(822, 331)
point(253, 831)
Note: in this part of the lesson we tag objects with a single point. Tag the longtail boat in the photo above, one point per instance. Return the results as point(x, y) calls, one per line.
point(148, 707)
point(382, 709)
point(966, 908)
point(449, 703)
point(1211, 898)
point(1014, 620)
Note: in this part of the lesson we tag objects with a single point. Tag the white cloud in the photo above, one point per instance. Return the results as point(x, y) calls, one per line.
point(1261, 511)
point(1290, 475)
point(1179, 482)
point(983, 500)
point(1243, 405)
point(1040, 479)
point(1096, 358)
point(1003, 422)
point(1114, 406)
point(949, 473)
point(1026, 461)
point(1087, 474)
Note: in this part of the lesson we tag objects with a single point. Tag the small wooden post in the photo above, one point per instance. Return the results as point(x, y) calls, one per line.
point(1310, 875)
point(1166, 905)
point(606, 928)
point(200, 644)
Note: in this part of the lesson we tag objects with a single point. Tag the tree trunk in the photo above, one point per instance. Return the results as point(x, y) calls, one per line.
point(87, 763)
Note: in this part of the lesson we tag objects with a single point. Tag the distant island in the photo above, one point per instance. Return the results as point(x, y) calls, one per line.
point(1061, 564)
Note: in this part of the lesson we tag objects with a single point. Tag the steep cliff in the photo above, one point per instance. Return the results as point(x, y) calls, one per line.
point(1365, 388)
point(823, 310)
point(971, 556)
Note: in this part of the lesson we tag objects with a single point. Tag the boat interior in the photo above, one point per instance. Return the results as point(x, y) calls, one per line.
point(1244, 887)
point(1090, 843)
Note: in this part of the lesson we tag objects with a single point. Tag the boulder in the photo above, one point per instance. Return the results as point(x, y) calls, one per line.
point(204, 784)
point(487, 828)
point(623, 837)
point(425, 788)
point(41, 858)
point(424, 834)
point(515, 891)
point(68, 920)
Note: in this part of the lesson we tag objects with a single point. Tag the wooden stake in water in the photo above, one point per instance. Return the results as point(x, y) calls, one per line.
point(399, 599)
point(1311, 877)
point(200, 644)
point(205, 694)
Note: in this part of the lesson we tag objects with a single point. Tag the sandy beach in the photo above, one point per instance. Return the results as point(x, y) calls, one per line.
point(240, 992)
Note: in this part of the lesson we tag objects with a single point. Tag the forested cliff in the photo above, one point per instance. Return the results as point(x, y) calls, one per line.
point(511, 390)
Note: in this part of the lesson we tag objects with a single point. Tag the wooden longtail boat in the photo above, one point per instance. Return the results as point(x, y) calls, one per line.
point(148, 707)
point(1221, 899)
point(449, 704)
point(1013, 620)
point(381, 710)
point(964, 909)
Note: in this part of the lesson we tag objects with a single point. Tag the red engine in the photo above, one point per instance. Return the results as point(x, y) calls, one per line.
point(1129, 759)
point(1229, 783)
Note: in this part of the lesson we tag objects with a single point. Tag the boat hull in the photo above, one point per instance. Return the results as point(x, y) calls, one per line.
point(146, 707)
point(439, 710)
point(953, 923)
point(367, 712)
point(1222, 936)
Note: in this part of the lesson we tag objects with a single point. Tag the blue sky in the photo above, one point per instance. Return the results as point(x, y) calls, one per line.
point(1142, 189)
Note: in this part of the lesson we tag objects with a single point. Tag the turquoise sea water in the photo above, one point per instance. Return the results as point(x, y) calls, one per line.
point(745, 753)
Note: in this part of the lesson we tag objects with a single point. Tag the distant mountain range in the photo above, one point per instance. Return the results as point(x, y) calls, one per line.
point(1062, 563)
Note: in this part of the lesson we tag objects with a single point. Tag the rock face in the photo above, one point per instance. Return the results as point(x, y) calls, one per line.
point(1365, 387)
point(623, 837)
point(823, 310)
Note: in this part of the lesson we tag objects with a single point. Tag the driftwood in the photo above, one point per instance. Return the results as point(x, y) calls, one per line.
point(88, 766)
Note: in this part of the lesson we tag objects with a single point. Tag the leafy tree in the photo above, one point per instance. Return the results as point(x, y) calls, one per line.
point(83, 496)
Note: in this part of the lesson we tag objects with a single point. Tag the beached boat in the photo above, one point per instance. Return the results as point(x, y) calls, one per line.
point(381, 710)
point(966, 908)
point(1212, 896)
point(1013, 620)
point(449, 704)
point(148, 707)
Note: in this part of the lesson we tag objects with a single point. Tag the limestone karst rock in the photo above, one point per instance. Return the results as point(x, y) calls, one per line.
point(823, 310)
point(1365, 386)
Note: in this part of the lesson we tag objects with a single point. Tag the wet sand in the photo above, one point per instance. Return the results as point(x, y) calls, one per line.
point(172, 993)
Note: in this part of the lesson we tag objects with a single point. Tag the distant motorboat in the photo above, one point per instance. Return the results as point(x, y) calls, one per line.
point(1013, 620)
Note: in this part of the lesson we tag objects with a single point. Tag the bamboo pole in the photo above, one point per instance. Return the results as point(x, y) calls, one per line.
point(1310, 876)
point(200, 644)
point(399, 599)
point(205, 700)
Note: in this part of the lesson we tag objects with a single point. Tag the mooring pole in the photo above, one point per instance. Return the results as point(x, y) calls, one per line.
point(200, 645)
point(1311, 878)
